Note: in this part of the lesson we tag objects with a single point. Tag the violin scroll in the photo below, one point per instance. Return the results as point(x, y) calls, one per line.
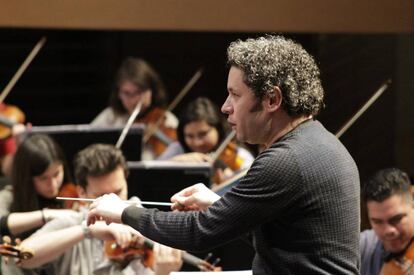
point(15, 251)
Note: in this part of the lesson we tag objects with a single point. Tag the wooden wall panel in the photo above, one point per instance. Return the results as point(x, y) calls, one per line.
point(212, 15)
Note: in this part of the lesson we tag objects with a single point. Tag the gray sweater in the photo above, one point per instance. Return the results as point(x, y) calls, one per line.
point(300, 200)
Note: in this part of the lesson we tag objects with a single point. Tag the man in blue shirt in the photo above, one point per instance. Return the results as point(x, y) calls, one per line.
point(389, 204)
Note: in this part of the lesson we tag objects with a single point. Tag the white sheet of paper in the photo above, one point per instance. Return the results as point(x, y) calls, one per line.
point(241, 272)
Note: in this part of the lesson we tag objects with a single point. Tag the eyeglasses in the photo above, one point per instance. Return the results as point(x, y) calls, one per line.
point(198, 135)
point(131, 94)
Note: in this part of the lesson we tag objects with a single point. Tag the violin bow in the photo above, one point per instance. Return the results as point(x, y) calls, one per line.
point(128, 125)
point(22, 68)
point(220, 149)
point(370, 101)
point(151, 131)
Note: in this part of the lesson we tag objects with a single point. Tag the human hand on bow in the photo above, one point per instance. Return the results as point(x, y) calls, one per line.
point(196, 197)
point(107, 208)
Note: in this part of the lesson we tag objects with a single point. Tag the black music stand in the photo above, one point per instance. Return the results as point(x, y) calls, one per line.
point(159, 180)
point(73, 138)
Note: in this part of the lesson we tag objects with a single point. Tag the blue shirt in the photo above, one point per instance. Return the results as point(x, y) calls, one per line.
point(372, 253)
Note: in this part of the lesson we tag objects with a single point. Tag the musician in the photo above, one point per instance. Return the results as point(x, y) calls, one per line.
point(136, 81)
point(299, 199)
point(39, 173)
point(389, 201)
point(200, 132)
point(70, 247)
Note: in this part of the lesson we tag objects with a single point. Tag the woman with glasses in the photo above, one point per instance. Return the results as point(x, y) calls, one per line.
point(137, 82)
point(200, 132)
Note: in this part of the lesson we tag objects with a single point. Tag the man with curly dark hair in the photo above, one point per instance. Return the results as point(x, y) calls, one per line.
point(300, 197)
point(389, 200)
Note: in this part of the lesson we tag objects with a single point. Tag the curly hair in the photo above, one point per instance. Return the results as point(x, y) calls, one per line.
point(276, 61)
point(97, 160)
point(386, 183)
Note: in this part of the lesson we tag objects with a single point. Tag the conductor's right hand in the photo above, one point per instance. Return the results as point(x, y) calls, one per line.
point(197, 197)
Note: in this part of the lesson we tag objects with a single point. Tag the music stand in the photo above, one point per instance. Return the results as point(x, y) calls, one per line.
point(73, 138)
point(159, 180)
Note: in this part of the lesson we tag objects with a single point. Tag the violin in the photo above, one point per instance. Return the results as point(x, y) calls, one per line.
point(230, 158)
point(10, 115)
point(400, 265)
point(144, 249)
point(69, 190)
point(137, 248)
point(163, 135)
point(15, 251)
point(156, 120)
point(226, 157)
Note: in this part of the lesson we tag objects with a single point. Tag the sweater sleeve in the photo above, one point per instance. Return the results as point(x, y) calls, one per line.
point(261, 194)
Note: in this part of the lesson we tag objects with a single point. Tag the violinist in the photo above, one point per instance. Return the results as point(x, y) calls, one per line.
point(70, 247)
point(200, 132)
point(39, 173)
point(389, 201)
point(136, 81)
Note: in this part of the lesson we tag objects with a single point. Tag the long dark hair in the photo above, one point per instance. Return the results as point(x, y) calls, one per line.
point(202, 109)
point(33, 157)
point(139, 72)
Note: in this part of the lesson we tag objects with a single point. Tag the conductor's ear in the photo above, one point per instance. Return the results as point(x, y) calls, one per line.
point(273, 99)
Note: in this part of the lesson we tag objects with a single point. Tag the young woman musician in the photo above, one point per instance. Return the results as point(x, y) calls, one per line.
point(38, 174)
point(200, 132)
point(136, 81)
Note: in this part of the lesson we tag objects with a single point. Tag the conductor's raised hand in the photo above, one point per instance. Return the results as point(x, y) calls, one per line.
point(197, 197)
point(107, 208)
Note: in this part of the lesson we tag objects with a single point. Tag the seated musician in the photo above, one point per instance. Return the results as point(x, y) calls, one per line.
point(39, 173)
point(389, 204)
point(136, 81)
point(70, 247)
point(200, 132)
